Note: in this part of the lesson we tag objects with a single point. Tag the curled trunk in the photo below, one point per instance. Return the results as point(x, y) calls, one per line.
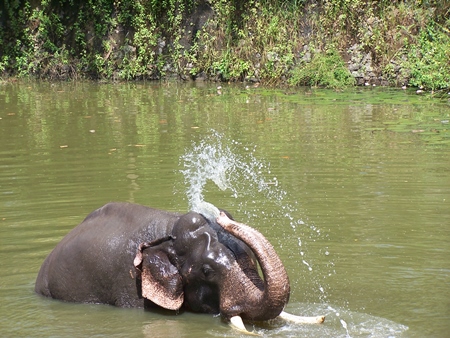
point(261, 302)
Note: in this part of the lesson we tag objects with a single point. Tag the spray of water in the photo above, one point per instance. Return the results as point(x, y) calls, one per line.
point(233, 167)
point(217, 160)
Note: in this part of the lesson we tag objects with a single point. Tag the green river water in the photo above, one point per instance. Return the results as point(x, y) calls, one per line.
point(351, 188)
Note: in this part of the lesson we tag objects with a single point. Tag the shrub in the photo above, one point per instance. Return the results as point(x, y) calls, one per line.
point(429, 59)
point(326, 69)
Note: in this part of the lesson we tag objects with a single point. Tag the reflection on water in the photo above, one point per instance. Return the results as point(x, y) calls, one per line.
point(358, 208)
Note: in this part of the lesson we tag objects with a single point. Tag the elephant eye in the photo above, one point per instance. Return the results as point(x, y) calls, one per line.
point(208, 272)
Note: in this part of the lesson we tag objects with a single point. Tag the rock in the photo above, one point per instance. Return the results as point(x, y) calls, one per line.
point(272, 56)
point(353, 67)
point(252, 79)
point(161, 45)
point(201, 76)
point(307, 57)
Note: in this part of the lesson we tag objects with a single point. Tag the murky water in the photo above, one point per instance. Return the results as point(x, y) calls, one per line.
point(353, 190)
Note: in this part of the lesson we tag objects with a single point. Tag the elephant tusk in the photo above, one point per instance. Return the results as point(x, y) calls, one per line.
point(237, 323)
point(301, 320)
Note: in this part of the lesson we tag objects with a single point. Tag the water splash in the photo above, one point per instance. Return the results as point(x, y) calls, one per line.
point(217, 160)
point(210, 211)
point(339, 323)
point(254, 191)
point(234, 168)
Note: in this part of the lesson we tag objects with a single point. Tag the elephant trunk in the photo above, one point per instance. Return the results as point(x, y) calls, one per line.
point(267, 303)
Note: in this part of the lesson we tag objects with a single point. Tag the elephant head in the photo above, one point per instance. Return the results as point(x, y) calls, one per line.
point(208, 269)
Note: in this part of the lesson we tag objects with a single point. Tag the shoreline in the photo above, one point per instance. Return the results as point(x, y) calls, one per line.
point(327, 43)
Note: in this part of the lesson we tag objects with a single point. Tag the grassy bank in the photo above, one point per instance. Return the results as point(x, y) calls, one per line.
point(333, 43)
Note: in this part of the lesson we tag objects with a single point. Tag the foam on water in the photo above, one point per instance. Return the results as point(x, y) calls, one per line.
point(355, 325)
point(343, 323)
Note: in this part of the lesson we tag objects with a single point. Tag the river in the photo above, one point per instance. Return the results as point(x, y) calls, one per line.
point(352, 188)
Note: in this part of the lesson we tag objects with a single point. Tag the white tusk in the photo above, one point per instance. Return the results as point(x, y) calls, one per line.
point(301, 320)
point(237, 323)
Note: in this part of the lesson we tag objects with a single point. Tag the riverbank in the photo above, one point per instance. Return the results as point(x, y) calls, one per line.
point(330, 43)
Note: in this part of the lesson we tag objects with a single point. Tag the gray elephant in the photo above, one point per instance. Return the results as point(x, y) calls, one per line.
point(130, 255)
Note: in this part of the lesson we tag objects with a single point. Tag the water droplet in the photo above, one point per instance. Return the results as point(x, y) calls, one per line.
point(216, 159)
point(234, 169)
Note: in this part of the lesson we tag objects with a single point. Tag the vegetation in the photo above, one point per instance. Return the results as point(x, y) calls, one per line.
point(332, 43)
point(428, 60)
point(326, 69)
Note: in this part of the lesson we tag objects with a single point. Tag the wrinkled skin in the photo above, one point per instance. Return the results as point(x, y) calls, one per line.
point(130, 255)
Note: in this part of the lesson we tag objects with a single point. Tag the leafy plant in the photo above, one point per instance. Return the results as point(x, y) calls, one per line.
point(230, 67)
point(429, 59)
point(259, 40)
point(326, 69)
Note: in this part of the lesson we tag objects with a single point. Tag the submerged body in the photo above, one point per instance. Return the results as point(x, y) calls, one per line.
point(130, 255)
point(93, 263)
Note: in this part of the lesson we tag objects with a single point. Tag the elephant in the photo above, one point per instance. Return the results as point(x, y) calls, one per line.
point(129, 255)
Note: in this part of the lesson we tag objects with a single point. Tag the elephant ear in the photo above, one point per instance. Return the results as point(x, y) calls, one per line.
point(160, 280)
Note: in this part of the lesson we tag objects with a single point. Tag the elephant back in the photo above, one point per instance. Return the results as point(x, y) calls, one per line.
point(93, 263)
